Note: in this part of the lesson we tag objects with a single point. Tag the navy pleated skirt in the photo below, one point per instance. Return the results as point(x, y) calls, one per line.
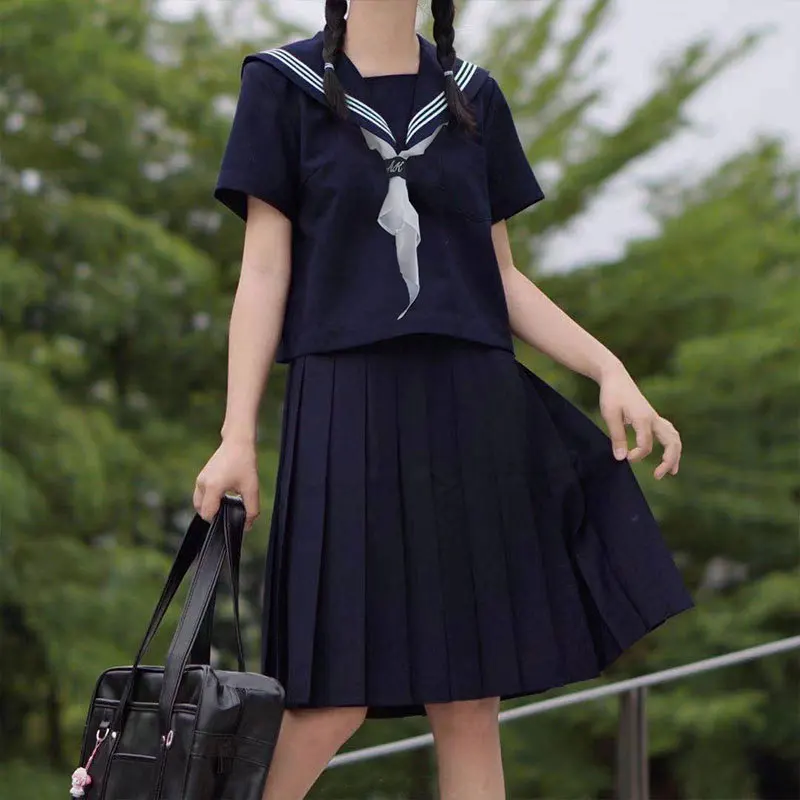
point(447, 526)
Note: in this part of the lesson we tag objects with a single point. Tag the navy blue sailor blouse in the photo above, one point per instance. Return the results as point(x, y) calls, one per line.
point(381, 246)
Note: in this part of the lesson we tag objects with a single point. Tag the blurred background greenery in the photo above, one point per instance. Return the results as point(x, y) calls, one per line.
point(117, 273)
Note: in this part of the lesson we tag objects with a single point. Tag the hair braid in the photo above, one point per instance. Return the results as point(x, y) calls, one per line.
point(332, 44)
point(444, 12)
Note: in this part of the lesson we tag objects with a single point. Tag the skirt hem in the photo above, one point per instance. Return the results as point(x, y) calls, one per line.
point(417, 709)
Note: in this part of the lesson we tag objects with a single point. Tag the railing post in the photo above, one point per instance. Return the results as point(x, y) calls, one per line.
point(633, 779)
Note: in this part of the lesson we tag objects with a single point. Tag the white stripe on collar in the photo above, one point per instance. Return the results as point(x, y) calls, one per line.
point(302, 70)
point(437, 105)
point(420, 119)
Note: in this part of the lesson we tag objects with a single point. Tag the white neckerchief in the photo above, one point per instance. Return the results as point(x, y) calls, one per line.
point(398, 216)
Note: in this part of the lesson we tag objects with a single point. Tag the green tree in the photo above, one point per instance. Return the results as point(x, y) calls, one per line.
point(116, 277)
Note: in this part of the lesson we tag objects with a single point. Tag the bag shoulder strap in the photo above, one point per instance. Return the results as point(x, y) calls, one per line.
point(194, 544)
point(228, 523)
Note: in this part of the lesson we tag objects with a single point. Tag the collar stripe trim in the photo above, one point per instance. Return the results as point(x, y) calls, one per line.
point(438, 104)
point(311, 77)
point(433, 109)
point(423, 111)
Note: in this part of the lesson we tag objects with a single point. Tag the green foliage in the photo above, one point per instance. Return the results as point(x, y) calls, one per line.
point(116, 277)
point(19, 778)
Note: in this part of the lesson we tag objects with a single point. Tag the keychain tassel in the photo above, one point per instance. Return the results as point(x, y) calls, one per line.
point(81, 779)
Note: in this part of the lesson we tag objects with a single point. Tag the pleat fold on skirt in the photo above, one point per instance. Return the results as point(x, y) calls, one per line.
point(447, 526)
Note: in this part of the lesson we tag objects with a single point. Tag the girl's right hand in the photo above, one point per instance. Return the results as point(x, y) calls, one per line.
point(232, 468)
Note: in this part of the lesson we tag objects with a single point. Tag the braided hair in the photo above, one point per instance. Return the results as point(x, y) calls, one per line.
point(332, 44)
point(444, 13)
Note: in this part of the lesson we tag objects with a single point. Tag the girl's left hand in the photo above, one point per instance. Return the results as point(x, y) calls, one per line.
point(621, 404)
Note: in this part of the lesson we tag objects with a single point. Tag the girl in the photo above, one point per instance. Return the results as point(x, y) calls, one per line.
point(447, 530)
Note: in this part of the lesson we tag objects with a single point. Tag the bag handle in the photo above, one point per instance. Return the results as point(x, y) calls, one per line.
point(201, 649)
point(188, 551)
point(192, 546)
point(225, 534)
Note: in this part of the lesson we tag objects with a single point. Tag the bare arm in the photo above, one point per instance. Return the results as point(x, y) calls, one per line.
point(254, 332)
point(539, 322)
point(257, 316)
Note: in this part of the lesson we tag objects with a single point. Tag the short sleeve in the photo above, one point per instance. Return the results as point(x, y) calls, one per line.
point(261, 156)
point(512, 183)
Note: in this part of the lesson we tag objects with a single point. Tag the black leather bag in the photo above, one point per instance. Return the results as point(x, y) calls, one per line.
point(184, 731)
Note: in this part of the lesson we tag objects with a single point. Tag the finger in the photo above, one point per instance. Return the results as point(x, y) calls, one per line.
point(616, 430)
point(197, 496)
point(644, 439)
point(211, 501)
point(250, 498)
point(677, 465)
point(669, 461)
point(669, 438)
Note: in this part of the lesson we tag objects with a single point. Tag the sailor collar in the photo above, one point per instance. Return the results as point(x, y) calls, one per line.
point(302, 63)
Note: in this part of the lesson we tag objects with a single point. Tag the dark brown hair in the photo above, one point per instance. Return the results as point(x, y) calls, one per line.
point(444, 12)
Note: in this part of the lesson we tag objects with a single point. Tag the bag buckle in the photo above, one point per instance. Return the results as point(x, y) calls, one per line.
point(167, 740)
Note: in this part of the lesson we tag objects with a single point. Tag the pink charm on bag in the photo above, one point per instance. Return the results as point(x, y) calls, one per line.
point(81, 779)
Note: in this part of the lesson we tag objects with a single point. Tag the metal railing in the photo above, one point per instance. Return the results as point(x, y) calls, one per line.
point(632, 760)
